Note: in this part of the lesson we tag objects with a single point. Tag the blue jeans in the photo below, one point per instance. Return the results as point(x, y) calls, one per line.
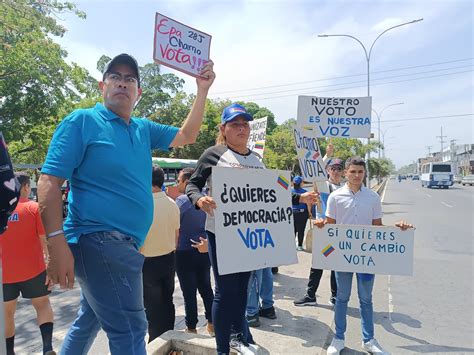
point(365, 284)
point(194, 274)
point(228, 307)
point(108, 267)
point(260, 286)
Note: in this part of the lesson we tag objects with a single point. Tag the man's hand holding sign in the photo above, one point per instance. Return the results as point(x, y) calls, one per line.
point(346, 241)
point(180, 47)
point(254, 219)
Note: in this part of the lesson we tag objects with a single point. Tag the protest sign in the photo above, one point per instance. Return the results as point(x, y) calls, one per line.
point(365, 249)
point(345, 117)
point(253, 219)
point(179, 46)
point(258, 132)
point(309, 155)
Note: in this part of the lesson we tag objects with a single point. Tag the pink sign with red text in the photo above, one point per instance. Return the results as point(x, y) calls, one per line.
point(179, 46)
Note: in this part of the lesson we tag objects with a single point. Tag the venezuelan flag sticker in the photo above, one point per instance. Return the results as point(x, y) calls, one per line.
point(283, 182)
point(327, 250)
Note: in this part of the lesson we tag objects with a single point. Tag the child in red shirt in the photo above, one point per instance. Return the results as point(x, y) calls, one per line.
point(24, 271)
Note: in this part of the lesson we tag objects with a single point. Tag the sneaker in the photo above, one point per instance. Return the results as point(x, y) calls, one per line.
point(238, 343)
point(373, 347)
point(299, 248)
point(267, 313)
point(332, 301)
point(275, 270)
point(210, 329)
point(50, 352)
point(306, 301)
point(336, 346)
point(190, 330)
point(253, 321)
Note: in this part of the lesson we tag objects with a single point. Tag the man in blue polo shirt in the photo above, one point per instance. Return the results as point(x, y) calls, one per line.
point(105, 153)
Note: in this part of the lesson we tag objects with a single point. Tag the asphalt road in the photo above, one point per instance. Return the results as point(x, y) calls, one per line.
point(432, 311)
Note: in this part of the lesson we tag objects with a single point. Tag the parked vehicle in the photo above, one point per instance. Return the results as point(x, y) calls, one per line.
point(457, 178)
point(467, 180)
point(415, 177)
point(172, 167)
point(437, 174)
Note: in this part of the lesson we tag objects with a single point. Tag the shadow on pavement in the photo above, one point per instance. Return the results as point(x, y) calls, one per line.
point(294, 287)
point(308, 329)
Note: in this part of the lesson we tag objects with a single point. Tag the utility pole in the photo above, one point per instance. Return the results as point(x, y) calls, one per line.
point(429, 149)
point(442, 141)
point(367, 57)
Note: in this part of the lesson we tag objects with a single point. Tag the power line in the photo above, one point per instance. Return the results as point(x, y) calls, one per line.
point(430, 117)
point(355, 87)
point(340, 77)
point(354, 82)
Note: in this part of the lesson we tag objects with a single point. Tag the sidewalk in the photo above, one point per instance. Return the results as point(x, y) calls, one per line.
point(297, 330)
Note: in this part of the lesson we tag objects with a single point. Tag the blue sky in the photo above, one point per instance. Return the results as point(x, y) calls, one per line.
point(268, 52)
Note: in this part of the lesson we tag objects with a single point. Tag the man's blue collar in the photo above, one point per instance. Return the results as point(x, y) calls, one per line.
point(108, 114)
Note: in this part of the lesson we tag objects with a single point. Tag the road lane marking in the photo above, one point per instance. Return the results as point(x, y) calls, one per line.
point(428, 195)
point(390, 301)
point(384, 190)
point(447, 205)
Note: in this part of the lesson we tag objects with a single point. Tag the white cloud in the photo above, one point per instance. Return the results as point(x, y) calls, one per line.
point(84, 54)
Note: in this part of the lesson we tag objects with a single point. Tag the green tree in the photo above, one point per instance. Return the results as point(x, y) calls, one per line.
point(280, 151)
point(157, 89)
point(380, 168)
point(258, 112)
point(408, 169)
point(35, 81)
point(347, 147)
point(209, 128)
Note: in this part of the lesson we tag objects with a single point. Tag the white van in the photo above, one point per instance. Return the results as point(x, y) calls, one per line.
point(437, 174)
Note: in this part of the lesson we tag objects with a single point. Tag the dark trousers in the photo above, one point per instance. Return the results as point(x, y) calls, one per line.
point(314, 279)
point(158, 288)
point(230, 300)
point(194, 273)
point(300, 219)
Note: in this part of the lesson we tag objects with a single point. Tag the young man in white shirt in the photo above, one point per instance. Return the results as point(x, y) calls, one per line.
point(353, 203)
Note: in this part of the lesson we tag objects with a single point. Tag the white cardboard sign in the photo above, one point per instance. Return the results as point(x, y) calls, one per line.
point(258, 132)
point(179, 46)
point(344, 117)
point(309, 155)
point(253, 219)
point(363, 249)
